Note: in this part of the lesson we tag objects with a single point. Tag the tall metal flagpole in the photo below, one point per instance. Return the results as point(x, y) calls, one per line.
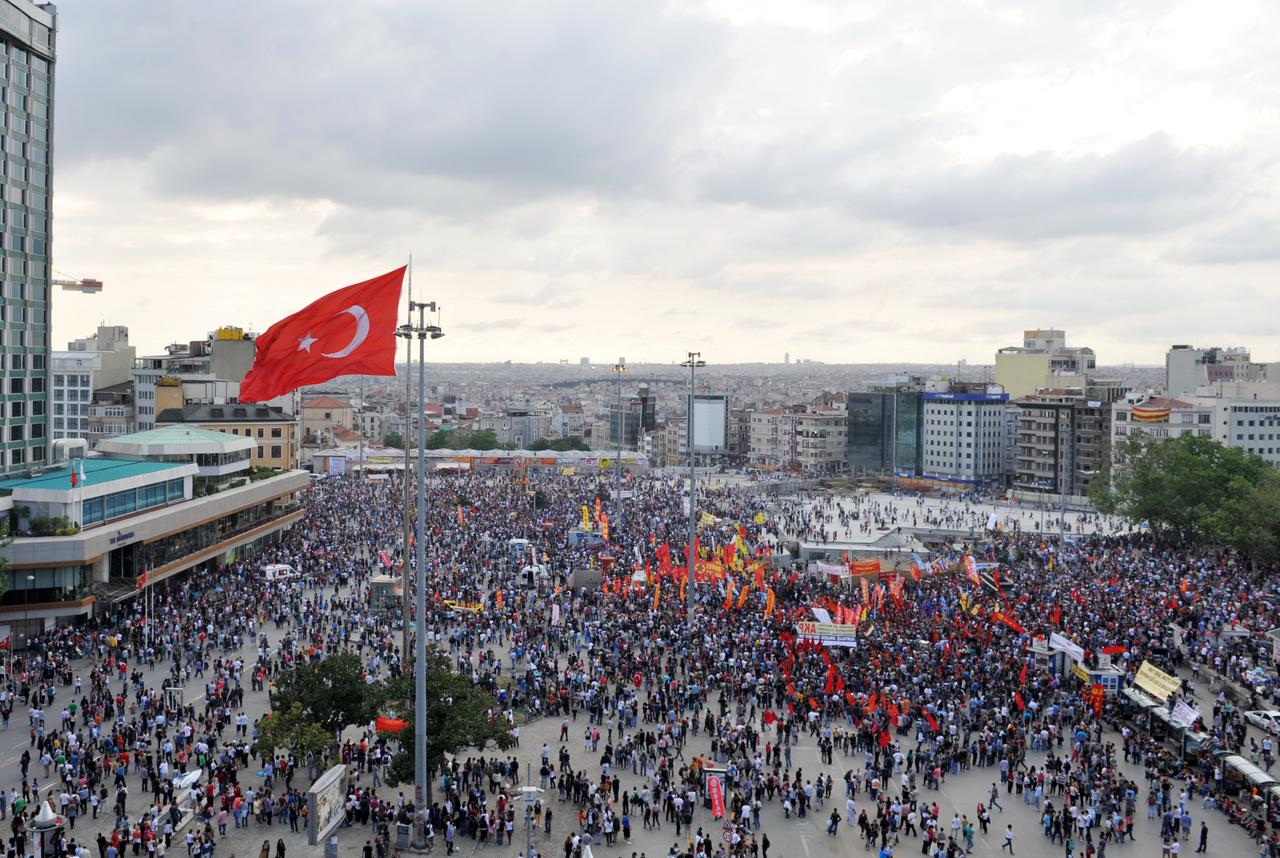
point(406, 659)
point(620, 369)
point(422, 779)
point(691, 586)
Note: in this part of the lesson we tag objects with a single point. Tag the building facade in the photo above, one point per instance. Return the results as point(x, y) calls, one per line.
point(964, 434)
point(72, 392)
point(273, 432)
point(1043, 360)
point(28, 41)
point(138, 511)
point(812, 443)
point(1064, 438)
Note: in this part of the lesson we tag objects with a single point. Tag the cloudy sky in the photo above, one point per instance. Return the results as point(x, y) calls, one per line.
point(847, 181)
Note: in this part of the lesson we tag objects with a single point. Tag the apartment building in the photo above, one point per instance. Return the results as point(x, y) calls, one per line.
point(812, 443)
point(1064, 438)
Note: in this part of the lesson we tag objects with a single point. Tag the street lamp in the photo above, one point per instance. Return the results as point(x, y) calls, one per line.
point(692, 362)
point(619, 369)
point(422, 783)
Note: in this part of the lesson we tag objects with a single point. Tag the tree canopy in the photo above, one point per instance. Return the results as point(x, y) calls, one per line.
point(393, 439)
point(330, 692)
point(459, 715)
point(1192, 489)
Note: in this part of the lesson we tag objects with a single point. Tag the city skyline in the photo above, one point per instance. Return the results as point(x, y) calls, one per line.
point(850, 184)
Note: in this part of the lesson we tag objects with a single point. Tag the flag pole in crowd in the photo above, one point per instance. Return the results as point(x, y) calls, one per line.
point(422, 781)
point(693, 363)
point(404, 331)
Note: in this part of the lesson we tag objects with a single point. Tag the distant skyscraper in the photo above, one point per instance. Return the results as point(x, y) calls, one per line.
point(27, 39)
point(786, 358)
point(584, 361)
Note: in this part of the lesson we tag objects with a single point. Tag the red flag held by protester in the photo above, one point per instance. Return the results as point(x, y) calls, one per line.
point(347, 332)
point(1017, 698)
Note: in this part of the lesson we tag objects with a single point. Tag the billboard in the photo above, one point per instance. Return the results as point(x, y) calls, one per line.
point(710, 422)
point(327, 799)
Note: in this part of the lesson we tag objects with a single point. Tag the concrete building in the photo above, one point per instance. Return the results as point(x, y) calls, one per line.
point(115, 356)
point(964, 434)
point(812, 443)
point(274, 433)
point(1248, 422)
point(323, 414)
point(1064, 438)
point(111, 412)
point(28, 39)
point(140, 510)
point(1042, 361)
point(1187, 368)
point(518, 426)
point(72, 390)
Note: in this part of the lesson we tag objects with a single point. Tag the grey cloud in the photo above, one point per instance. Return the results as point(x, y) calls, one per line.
point(1147, 186)
point(1256, 240)
point(430, 106)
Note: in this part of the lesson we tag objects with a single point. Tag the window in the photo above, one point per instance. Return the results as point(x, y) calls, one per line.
point(276, 433)
point(275, 451)
point(17, 385)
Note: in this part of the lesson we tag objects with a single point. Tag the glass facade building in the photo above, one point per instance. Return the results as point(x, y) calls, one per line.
point(27, 36)
point(870, 440)
point(908, 433)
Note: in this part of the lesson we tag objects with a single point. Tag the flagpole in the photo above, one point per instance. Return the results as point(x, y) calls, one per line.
point(405, 658)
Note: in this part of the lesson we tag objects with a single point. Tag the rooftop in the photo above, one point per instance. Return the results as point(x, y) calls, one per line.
point(325, 402)
point(200, 413)
point(181, 439)
point(96, 470)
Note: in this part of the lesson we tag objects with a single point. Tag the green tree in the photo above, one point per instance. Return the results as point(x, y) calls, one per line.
point(393, 439)
point(540, 445)
point(460, 715)
point(439, 440)
point(293, 730)
point(1193, 490)
point(483, 439)
point(330, 692)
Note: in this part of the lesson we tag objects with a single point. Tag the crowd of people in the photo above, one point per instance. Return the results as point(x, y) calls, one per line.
point(651, 710)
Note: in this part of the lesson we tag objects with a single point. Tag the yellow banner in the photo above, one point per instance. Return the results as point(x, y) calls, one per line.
point(1156, 682)
point(1080, 672)
point(586, 518)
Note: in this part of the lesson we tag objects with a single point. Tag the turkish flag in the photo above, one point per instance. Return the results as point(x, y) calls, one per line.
point(347, 332)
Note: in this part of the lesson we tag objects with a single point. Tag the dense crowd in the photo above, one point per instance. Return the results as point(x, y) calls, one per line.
point(597, 638)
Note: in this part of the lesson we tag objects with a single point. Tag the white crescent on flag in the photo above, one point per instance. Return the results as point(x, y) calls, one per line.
point(362, 331)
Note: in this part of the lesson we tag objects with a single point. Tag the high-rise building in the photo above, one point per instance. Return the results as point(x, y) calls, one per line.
point(27, 34)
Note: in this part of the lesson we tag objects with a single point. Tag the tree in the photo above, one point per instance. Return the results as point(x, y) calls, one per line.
point(459, 715)
point(1192, 490)
point(484, 439)
point(439, 440)
point(393, 439)
point(540, 445)
point(292, 730)
point(331, 692)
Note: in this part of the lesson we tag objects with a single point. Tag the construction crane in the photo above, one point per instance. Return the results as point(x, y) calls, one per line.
point(88, 285)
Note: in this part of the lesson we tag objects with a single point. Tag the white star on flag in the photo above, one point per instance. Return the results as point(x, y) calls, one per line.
point(305, 342)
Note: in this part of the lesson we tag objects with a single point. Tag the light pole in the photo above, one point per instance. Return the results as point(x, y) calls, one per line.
point(406, 331)
point(619, 369)
point(422, 782)
point(693, 363)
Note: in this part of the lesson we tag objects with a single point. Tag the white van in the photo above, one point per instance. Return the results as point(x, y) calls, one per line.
point(279, 572)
